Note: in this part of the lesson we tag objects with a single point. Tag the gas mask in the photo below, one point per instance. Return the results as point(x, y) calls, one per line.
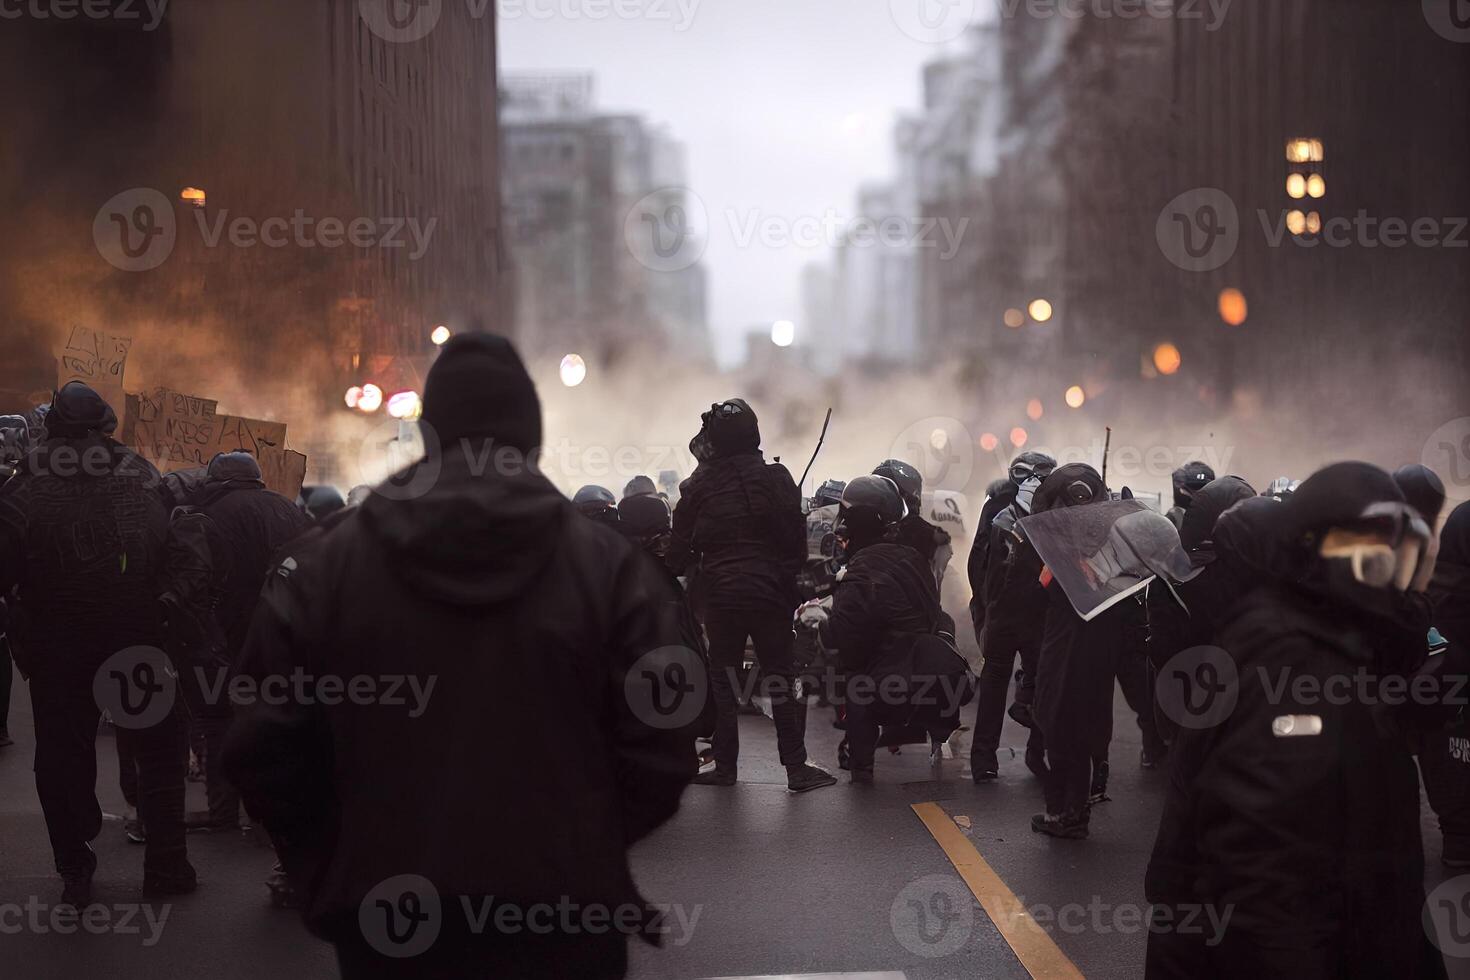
point(1385, 549)
point(1027, 477)
point(702, 446)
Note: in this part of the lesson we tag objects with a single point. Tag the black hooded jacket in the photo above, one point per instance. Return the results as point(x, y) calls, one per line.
point(528, 621)
point(887, 590)
point(739, 522)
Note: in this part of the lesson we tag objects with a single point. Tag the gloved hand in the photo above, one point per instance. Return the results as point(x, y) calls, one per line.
point(814, 614)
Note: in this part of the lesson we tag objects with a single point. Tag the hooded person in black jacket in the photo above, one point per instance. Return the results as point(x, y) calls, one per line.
point(1005, 607)
point(739, 523)
point(252, 522)
point(541, 659)
point(82, 530)
point(1305, 799)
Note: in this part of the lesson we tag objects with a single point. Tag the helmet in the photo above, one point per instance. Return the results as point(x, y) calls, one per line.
point(1026, 473)
point(597, 503)
point(830, 492)
point(15, 439)
point(870, 506)
point(1189, 480)
point(910, 482)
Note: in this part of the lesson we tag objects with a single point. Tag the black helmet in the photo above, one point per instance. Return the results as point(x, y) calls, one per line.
point(870, 506)
point(1189, 480)
point(909, 480)
point(830, 492)
point(15, 439)
point(597, 503)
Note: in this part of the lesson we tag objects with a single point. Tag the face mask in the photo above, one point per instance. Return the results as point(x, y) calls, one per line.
point(1026, 492)
point(1373, 565)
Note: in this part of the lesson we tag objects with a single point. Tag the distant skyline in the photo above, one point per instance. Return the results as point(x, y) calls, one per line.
point(785, 108)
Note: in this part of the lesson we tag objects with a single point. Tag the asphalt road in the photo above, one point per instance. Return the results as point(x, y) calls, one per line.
point(845, 880)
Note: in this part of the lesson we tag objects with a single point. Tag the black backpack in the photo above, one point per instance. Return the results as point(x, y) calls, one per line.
point(196, 571)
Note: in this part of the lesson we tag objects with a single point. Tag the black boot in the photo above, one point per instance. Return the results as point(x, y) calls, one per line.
point(76, 870)
point(1066, 826)
point(716, 777)
point(799, 779)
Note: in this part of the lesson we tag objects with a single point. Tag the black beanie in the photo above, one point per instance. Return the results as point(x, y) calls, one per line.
point(479, 388)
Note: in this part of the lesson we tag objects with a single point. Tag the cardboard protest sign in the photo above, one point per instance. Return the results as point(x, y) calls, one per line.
point(97, 359)
point(1102, 553)
point(176, 431)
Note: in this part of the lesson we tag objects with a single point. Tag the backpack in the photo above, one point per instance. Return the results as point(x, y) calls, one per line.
point(196, 571)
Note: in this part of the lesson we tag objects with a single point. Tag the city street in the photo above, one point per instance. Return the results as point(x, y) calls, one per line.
point(760, 882)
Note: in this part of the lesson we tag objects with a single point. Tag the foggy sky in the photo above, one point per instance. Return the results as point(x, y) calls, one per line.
point(785, 108)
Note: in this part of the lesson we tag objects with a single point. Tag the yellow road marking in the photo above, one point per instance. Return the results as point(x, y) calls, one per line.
point(1041, 957)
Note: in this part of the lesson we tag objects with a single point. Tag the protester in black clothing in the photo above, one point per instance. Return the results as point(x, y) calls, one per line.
point(81, 539)
point(597, 504)
point(1305, 807)
point(525, 629)
point(739, 522)
point(1444, 755)
point(640, 486)
point(15, 442)
point(1006, 607)
point(1188, 480)
point(249, 523)
point(930, 541)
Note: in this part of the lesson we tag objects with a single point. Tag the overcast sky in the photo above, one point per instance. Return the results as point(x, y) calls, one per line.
point(785, 108)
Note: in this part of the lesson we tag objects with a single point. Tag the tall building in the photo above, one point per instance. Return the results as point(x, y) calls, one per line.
point(344, 196)
point(576, 182)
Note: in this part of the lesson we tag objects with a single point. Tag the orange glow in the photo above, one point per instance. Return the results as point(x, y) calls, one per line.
point(1033, 409)
point(1167, 358)
point(371, 398)
point(1296, 185)
point(354, 395)
point(1304, 150)
point(1232, 305)
point(1296, 222)
point(1014, 318)
point(1040, 310)
point(192, 195)
point(989, 441)
point(1076, 396)
point(1316, 186)
point(1018, 437)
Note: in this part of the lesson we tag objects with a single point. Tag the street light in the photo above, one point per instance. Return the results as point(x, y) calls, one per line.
point(989, 441)
point(371, 399)
point(1014, 318)
point(1076, 396)
point(783, 333)
point(573, 370)
point(1232, 306)
point(353, 396)
point(1167, 358)
point(1018, 437)
point(405, 405)
point(1033, 409)
point(1040, 310)
point(440, 336)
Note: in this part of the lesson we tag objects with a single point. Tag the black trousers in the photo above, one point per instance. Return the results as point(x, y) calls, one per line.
point(5, 682)
point(990, 701)
point(1444, 765)
point(209, 720)
point(1067, 782)
point(770, 631)
point(66, 717)
point(1135, 677)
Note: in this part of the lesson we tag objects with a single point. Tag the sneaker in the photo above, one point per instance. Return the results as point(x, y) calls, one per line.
point(135, 831)
point(181, 881)
point(985, 775)
point(1065, 826)
point(716, 777)
point(844, 755)
point(1099, 792)
point(76, 879)
point(1152, 758)
point(1021, 714)
point(801, 778)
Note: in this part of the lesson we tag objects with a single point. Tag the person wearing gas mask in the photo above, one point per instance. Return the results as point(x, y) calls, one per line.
point(597, 504)
point(930, 541)
point(885, 601)
point(15, 442)
point(1188, 480)
point(1306, 802)
point(1005, 608)
point(739, 522)
point(82, 531)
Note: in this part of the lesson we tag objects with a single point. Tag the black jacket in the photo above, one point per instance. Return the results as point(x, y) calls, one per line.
point(82, 532)
point(739, 522)
point(887, 590)
point(1015, 599)
point(529, 620)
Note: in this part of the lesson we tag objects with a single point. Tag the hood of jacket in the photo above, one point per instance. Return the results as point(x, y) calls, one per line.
point(468, 539)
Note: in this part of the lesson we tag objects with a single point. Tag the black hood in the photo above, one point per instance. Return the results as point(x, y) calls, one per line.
point(467, 540)
point(1248, 538)
point(78, 410)
point(730, 428)
point(477, 388)
point(1454, 539)
point(1212, 500)
point(1423, 489)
